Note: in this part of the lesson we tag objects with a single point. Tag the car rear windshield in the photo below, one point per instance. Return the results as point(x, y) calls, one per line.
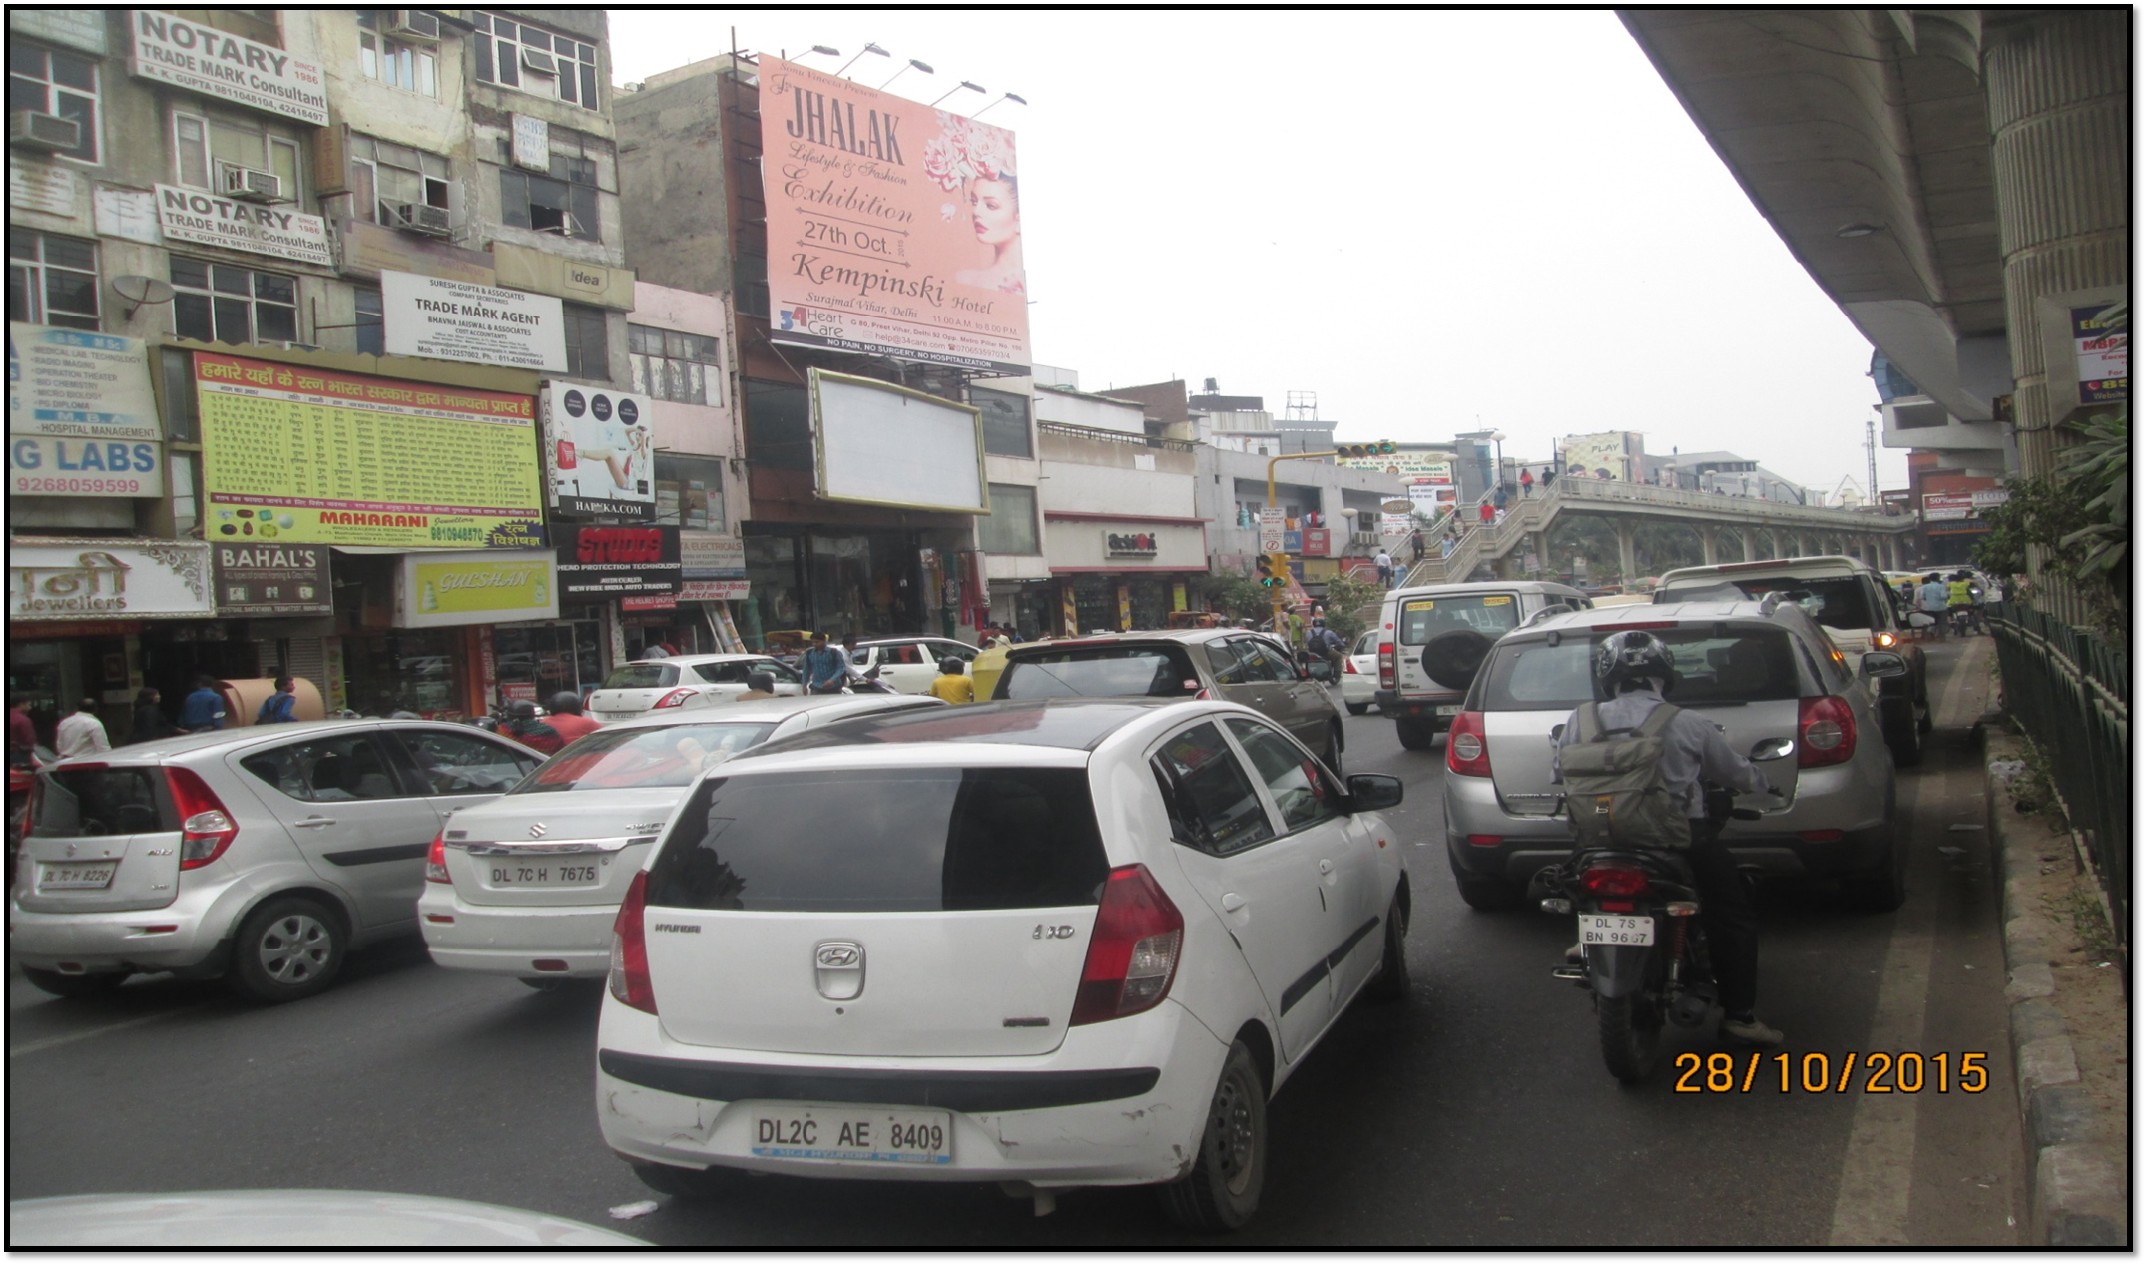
point(1423, 619)
point(936, 839)
point(120, 801)
point(662, 756)
point(1161, 669)
point(637, 677)
point(1840, 602)
point(1740, 666)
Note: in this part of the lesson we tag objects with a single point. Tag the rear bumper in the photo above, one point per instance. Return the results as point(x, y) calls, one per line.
point(1121, 1102)
point(506, 940)
point(1419, 707)
point(189, 934)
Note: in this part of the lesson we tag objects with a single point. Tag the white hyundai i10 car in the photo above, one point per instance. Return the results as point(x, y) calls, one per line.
point(1048, 944)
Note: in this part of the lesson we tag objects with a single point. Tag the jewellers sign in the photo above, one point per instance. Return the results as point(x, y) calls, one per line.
point(189, 215)
point(200, 58)
point(101, 579)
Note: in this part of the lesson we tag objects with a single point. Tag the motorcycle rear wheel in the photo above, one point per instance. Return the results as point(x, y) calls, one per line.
point(1627, 1036)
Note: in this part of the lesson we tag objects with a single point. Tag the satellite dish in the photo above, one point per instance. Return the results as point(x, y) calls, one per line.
point(1396, 506)
point(138, 290)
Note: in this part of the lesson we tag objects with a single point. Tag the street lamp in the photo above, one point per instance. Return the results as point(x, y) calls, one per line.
point(1006, 96)
point(1500, 464)
point(953, 91)
point(913, 64)
point(822, 48)
point(871, 47)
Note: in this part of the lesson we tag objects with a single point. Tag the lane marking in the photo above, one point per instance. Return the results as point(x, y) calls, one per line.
point(62, 1040)
point(1873, 1203)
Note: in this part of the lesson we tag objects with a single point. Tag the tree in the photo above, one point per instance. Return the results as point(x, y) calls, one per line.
point(1348, 600)
point(1240, 597)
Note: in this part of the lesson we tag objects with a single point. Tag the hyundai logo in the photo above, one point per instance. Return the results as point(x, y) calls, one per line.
point(837, 954)
point(840, 969)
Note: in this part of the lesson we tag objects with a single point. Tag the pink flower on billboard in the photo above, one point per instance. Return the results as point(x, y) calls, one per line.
point(966, 151)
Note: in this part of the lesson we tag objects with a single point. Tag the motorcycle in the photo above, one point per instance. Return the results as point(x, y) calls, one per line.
point(1640, 949)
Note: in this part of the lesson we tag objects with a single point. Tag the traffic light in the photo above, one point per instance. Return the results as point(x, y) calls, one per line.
point(1378, 449)
point(1274, 570)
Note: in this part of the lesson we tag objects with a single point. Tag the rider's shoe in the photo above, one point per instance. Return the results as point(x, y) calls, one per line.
point(1749, 1030)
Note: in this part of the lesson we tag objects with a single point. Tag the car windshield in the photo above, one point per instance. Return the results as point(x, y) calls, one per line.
point(1424, 619)
point(643, 756)
point(936, 839)
point(1100, 672)
point(1731, 667)
point(638, 676)
point(1840, 602)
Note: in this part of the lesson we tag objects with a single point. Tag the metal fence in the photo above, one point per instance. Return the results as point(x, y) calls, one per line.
point(2069, 691)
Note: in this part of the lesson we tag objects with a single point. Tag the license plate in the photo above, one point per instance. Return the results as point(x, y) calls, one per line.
point(547, 874)
point(1447, 710)
point(77, 875)
point(629, 715)
point(852, 1132)
point(1618, 930)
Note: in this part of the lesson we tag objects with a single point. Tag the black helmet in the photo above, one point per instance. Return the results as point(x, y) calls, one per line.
point(951, 665)
point(1628, 656)
point(566, 702)
point(521, 708)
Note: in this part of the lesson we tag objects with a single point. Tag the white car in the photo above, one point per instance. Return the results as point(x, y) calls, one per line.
point(909, 664)
point(637, 688)
point(526, 885)
point(1361, 669)
point(1046, 943)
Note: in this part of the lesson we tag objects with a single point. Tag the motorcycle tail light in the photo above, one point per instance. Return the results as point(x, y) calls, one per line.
point(1615, 881)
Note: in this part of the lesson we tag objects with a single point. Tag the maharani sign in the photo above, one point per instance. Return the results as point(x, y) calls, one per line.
point(96, 579)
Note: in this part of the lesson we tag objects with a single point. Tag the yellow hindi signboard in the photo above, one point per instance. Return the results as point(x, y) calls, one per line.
point(294, 453)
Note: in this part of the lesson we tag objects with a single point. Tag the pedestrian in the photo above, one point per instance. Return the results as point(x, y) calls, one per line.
point(761, 684)
point(81, 733)
point(824, 667)
point(1933, 603)
point(21, 732)
point(1418, 546)
point(1525, 481)
point(525, 727)
point(149, 719)
point(567, 719)
point(1485, 512)
point(278, 707)
point(1546, 480)
point(1384, 567)
point(203, 709)
point(953, 684)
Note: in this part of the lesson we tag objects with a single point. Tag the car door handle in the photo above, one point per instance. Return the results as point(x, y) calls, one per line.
point(1326, 867)
point(315, 821)
point(1232, 903)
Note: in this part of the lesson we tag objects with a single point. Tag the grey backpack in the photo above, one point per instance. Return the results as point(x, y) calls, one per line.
point(1615, 784)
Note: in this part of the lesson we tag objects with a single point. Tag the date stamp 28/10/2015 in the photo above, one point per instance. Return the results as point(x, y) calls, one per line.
point(1816, 1073)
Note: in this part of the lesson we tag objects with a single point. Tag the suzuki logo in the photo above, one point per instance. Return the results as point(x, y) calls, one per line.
point(537, 830)
point(839, 969)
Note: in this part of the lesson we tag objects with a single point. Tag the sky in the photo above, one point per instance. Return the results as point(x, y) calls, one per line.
point(1508, 224)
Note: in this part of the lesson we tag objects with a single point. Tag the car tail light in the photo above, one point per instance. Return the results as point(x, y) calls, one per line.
point(628, 978)
point(1483, 841)
point(1615, 881)
point(1828, 733)
point(1350, 666)
point(1467, 746)
point(437, 861)
point(1202, 694)
point(674, 698)
point(1134, 949)
point(1385, 662)
point(205, 828)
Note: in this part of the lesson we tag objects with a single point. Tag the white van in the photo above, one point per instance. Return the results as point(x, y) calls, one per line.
point(1433, 638)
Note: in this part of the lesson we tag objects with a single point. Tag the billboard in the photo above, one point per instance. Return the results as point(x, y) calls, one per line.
point(894, 228)
point(613, 562)
point(291, 453)
point(889, 446)
point(450, 320)
point(1604, 455)
point(598, 451)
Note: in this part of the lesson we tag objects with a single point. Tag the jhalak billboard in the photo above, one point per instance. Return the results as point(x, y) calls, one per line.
point(894, 228)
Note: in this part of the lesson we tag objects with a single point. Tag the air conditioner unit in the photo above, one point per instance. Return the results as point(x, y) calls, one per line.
point(250, 185)
point(414, 24)
point(541, 62)
point(35, 131)
point(417, 217)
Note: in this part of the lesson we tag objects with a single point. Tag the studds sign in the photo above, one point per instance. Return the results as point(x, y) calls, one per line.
point(200, 58)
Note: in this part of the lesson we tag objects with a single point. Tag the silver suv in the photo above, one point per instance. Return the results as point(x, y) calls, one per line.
point(1760, 670)
point(1432, 638)
point(263, 852)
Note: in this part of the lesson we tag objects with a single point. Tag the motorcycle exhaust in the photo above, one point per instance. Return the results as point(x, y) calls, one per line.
point(1572, 972)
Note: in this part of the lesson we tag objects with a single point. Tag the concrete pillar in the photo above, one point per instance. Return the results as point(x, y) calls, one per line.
point(2057, 95)
point(1746, 546)
point(1541, 544)
point(1624, 532)
point(1709, 545)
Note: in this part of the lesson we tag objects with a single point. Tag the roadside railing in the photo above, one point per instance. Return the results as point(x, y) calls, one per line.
point(2068, 689)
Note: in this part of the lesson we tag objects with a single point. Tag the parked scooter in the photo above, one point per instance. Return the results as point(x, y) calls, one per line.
point(1640, 947)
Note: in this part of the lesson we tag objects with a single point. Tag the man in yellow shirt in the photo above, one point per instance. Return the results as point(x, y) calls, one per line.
point(952, 685)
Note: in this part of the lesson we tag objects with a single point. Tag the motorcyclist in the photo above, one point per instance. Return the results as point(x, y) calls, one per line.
point(1633, 670)
point(1960, 607)
point(525, 727)
point(567, 719)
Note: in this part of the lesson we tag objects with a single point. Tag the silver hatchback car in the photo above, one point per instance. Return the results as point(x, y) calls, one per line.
point(1759, 670)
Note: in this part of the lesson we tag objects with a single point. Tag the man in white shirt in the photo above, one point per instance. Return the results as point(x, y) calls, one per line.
point(80, 732)
point(1384, 568)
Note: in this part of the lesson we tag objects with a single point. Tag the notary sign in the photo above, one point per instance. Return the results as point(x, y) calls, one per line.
point(189, 215)
point(271, 580)
point(107, 579)
point(462, 321)
point(200, 58)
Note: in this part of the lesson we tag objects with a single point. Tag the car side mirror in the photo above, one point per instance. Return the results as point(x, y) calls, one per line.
point(1374, 791)
point(1552, 737)
point(1772, 750)
point(1883, 664)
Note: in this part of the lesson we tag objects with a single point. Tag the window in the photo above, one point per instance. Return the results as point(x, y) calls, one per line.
point(222, 303)
point(206, 148)
point(1012, 528)
point(1265, 662)
point(366, 312)
point(399, 65)
point(51, 82)
point(673, 365)
point(1007, 422)
point(385, 176)
point(690, 492)
point(586, 356)
point(514, 54)
point(1208, 796)
point(1424, 619)
point(455, 763)
point(777, 434)
point(341, 768)
point(51, 280)
point(1100, 673)
point(1294, 778)
point(564, 202)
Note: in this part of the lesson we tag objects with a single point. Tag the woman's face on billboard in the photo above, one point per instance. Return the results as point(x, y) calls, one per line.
point(992, 211)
